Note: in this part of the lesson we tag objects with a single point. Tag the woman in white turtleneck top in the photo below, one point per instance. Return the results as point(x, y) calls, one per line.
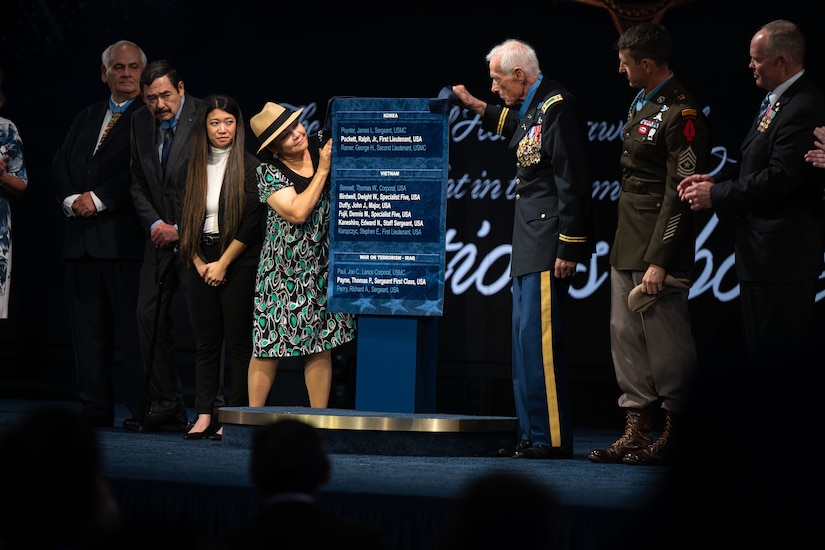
point(221, 234)
point(215, 169)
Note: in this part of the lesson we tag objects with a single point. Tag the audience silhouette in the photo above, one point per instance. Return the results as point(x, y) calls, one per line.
point(502, 510)
point(289, 465)
point(54, 495)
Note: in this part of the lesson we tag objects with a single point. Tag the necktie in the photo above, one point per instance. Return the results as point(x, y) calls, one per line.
point(763, 108)
point(168, 133)
point(117, 110)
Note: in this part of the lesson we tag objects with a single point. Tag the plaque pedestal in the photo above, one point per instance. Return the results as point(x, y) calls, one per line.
point(387, 242)
point(396, 367)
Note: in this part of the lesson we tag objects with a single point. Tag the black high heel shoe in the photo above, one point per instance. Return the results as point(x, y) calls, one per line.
point(209, 432)
point(216, 436)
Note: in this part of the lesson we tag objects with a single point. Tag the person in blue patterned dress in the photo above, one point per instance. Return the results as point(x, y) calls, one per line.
point(290, 317)
point(13, 182)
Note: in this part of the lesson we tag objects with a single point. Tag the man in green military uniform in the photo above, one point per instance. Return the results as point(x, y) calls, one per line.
point(654, 354)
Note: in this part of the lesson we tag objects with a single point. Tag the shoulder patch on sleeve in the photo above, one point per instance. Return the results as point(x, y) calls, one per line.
point(549, 101)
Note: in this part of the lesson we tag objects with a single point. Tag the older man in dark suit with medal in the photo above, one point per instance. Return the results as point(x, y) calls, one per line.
point(160, 149)
point(773, 396)
point(775, 203)
point(103, 242)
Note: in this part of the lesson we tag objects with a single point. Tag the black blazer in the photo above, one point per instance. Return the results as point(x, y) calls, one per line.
point(776, 200)
point(115, 232)
point(155, 193)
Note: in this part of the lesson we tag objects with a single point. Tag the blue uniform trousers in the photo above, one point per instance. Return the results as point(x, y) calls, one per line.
point(539, 369)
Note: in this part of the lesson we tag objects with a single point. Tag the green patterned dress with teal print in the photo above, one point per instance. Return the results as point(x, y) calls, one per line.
point(290, 317)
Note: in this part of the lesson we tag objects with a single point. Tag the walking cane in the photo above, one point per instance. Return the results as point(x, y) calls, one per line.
point(150, 359)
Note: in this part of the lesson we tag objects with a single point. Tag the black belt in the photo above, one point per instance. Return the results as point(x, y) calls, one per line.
point(208, 239)
point(635, 186)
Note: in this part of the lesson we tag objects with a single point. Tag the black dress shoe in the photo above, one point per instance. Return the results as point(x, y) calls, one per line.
point(216, 437)
point(511, 451)
point(133, 424)
point(543, 451)
point(157, 422)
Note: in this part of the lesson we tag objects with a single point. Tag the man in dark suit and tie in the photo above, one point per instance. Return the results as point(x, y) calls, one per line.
point(164, 123)
point(773, 398)
point(103, 241)
point(775, 204)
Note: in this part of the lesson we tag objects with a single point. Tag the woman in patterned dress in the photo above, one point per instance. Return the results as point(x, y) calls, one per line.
point(13, 181)
point(290, 317)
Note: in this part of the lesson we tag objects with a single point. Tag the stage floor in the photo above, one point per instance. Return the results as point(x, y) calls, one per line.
point(205, 483)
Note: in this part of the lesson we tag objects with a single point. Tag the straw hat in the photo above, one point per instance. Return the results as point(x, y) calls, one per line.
point(271, 121)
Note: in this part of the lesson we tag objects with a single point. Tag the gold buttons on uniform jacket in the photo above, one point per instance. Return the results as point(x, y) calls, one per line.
point(518, 196)
point(543, 216)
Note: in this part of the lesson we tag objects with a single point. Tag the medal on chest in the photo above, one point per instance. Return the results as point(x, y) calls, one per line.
point(528, 152)
point(767, 118)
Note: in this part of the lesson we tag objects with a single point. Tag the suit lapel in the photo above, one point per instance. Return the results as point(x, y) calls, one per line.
point(652, 107)
point(181, 140)
point(528, 120)
point(777, 108)
point(92, 131)
point(523, 125)
point(119, 127)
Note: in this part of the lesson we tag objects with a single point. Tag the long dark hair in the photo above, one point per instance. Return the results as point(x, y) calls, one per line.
point(193, 210)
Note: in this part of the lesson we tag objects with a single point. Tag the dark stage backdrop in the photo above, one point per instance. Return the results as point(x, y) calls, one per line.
point(302, 55)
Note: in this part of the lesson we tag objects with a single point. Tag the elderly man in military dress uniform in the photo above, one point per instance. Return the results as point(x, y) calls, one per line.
point(552, 233)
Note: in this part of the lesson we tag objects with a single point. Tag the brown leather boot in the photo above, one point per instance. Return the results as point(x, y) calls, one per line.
point(637, 436)
point(657, 454)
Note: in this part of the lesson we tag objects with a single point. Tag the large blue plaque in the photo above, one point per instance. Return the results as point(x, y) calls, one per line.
point(387, 242)
point(388, 213)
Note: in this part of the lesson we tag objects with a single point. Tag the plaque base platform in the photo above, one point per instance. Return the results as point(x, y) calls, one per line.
point(379, 433)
